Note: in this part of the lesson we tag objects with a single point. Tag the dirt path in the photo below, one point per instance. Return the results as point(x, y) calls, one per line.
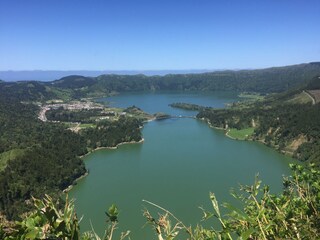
point(310, 96)
point(42, 114)
point(75, 128)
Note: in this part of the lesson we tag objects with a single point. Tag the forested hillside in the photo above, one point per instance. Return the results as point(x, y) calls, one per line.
point(25, 91)
point(261, 80)
point(267, 80)
point(281, 121)
point(41, 157)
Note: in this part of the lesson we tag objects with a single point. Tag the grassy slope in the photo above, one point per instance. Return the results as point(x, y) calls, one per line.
point(240, 134)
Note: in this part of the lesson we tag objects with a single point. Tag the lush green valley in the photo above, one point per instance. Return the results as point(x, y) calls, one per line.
point(39, 157)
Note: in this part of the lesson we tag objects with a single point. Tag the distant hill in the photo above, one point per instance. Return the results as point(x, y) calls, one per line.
point(314, 84)
point(269, 80)
point(25, 91)
point(277, 79)
point(38, 75)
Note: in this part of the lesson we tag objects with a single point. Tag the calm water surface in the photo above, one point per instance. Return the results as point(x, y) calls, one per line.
point(180, 162)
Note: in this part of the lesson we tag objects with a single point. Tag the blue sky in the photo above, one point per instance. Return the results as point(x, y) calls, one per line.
point(157, 34)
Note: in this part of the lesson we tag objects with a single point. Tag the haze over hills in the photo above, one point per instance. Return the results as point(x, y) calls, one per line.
point(49, 75)
point(267, 80)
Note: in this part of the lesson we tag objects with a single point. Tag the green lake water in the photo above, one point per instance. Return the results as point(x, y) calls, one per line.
point(179, 163)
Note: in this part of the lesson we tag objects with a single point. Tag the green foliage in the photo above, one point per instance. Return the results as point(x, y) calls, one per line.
point(41, 157)
point(25, 91)
point(262, 80)
point(47, 161)
point(76, 87)
point(291, 214)
point(187, 106)
point(9, 155)
point(111, 133)
point(275, 122)
point(50, 222)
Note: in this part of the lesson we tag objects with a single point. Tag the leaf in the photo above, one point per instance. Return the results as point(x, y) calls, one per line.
point(241, 215)
point(246, 234)
point(215, 204)
point(32, 234)
point(113, 213)
point(30, 223)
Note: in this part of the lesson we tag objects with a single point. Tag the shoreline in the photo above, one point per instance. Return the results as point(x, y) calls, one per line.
point(227, 134)
point(66, 190)
point(112, 148)
point(283, 152)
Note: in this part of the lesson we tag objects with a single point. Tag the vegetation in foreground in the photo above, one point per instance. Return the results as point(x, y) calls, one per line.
point(292, 214)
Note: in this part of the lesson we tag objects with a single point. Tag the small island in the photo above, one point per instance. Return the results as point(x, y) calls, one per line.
point(188, 106)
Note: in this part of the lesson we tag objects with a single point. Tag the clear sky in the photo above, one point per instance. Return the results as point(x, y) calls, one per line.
point(157, 34)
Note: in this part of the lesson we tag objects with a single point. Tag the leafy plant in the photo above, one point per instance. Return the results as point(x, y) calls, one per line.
point(292, 214)
point(48, 222)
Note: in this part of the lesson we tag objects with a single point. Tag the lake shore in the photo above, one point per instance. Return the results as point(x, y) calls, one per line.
point(226, 131)
point(75, 182)
point(66, 190)
point(115, 147)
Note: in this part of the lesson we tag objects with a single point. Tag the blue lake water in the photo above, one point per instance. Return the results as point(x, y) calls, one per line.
point(179, 163)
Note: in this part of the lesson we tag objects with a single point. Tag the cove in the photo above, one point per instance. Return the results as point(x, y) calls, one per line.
point(179, 163)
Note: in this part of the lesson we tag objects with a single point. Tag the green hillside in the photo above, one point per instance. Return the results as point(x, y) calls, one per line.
point(288, 121)
point(43, 157)
point(267, 80)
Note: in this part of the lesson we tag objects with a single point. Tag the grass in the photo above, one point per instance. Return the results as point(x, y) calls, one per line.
point(240, 134)
point(8, 155)
point(87, 125)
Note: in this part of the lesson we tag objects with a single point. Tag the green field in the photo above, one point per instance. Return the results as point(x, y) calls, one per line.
point(240, 134)
point(87, 125)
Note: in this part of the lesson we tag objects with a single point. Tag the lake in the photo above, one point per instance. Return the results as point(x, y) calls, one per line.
point(178, 164)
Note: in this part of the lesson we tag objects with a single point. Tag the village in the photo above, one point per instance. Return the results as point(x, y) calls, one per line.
point(84, 108)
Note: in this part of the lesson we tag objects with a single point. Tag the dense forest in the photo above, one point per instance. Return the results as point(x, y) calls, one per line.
point(41, 157)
